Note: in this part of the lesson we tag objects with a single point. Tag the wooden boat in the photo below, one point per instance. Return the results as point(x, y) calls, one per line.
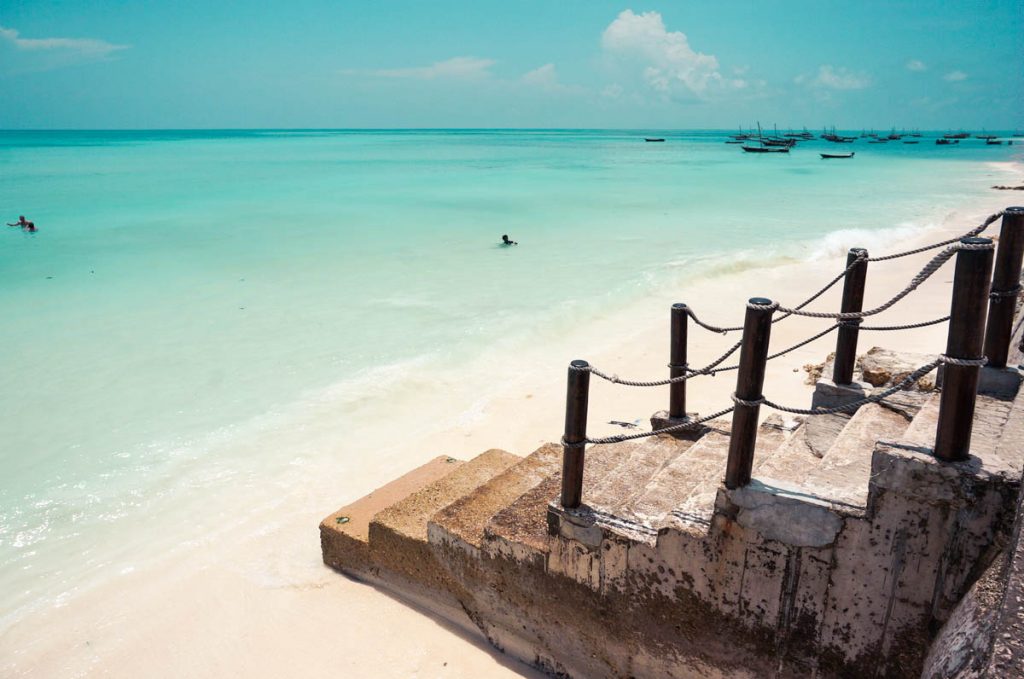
point(653, 139)
point(838, 155)
point(946, 142)
point(993, 142)
point(957, 135)
point(911, 142)
point(766, 149)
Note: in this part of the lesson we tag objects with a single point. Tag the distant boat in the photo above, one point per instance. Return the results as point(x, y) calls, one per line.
point(733, 141)
point(946, 141)
point(912, 142)
point(766, 149)
point(957, 135)
point(993, 142)
point(837, 155)
point(654, 139)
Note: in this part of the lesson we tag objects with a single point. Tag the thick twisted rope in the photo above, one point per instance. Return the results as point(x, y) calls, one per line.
point(787, 313)
point(970, 234)
point(709, 369)
point(689, 424)
point(924, 274)
point(908, 326)
point(875, 398)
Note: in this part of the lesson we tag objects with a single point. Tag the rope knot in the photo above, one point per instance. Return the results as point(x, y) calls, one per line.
point(1000, 294)
point(744, 402)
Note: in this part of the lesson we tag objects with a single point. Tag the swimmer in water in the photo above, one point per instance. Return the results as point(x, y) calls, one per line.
point(505, 240)
point(23, 223)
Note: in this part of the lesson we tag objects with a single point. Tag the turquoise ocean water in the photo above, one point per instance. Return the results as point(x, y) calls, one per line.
point(187, 289)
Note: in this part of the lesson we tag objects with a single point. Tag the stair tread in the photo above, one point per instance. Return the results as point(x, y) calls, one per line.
point(409, 516)
point(344, 533)
point(845, 471)
point(466, 518)
point(673, 486)
point(520, 530)
point(610, 492)
point(699, 502)
point(991, 414)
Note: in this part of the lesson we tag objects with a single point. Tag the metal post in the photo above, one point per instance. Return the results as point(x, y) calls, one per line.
point(576, 398)
point(1005, 279)
point(966, 331)
point(757, 327)
point(853, 300)
point(677, 362)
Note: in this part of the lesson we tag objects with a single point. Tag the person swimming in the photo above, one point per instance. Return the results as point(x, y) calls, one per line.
point(505, 240)
point(23, 223)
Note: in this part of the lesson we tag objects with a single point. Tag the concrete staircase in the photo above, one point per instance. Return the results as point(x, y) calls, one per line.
point(849, 544)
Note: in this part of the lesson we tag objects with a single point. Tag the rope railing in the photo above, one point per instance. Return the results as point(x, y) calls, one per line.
point(987, 222)
point(973, 289)
point(924, 274)
point(844, 318)
point(874, 398)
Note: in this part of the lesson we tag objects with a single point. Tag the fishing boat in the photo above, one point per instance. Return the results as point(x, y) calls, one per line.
point(912, 142)
point(956, 135)
point(838, 155)
point(946, 141)
point(993, 142)
point(654, 139)
point(765, 147)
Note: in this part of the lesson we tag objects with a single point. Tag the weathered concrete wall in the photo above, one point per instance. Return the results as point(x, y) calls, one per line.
point(842, 590)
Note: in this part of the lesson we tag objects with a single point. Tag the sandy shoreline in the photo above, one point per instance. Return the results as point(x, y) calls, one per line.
point(259, 603)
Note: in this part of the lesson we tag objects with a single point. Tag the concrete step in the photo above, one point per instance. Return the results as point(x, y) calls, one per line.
point(519, 532)
point(641, 461)
point(921, 432)
point(398, 534)
point(801, 452)
point(344, 535)
point(843, 474)
point(461, 524)
point(990, 416)
point(697, 506)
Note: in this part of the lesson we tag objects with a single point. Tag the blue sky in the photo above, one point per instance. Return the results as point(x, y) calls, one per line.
point(517, 63)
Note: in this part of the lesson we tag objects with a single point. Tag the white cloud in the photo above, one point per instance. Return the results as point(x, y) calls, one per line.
point(85, 47)
point(955, 76)
point(666, 62)
point(545, 76)
point(457, 68)
point(613, 91)
point(916, 65)
point(837, 79)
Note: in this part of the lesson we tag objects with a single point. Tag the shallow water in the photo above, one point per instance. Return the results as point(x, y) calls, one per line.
point(196, 305)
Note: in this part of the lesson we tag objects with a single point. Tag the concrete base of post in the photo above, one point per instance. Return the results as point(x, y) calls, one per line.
point(660, 420)
point(999, 382)
point(828, 394)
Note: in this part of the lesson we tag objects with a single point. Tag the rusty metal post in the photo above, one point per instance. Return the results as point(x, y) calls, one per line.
point(1005, 280)
point(966, 332)
point(577, 394)
point(757, 327)
point(853, 300)
point(677, 362)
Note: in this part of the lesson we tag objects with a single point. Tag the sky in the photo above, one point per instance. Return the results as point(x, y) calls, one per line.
point(101, 64)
